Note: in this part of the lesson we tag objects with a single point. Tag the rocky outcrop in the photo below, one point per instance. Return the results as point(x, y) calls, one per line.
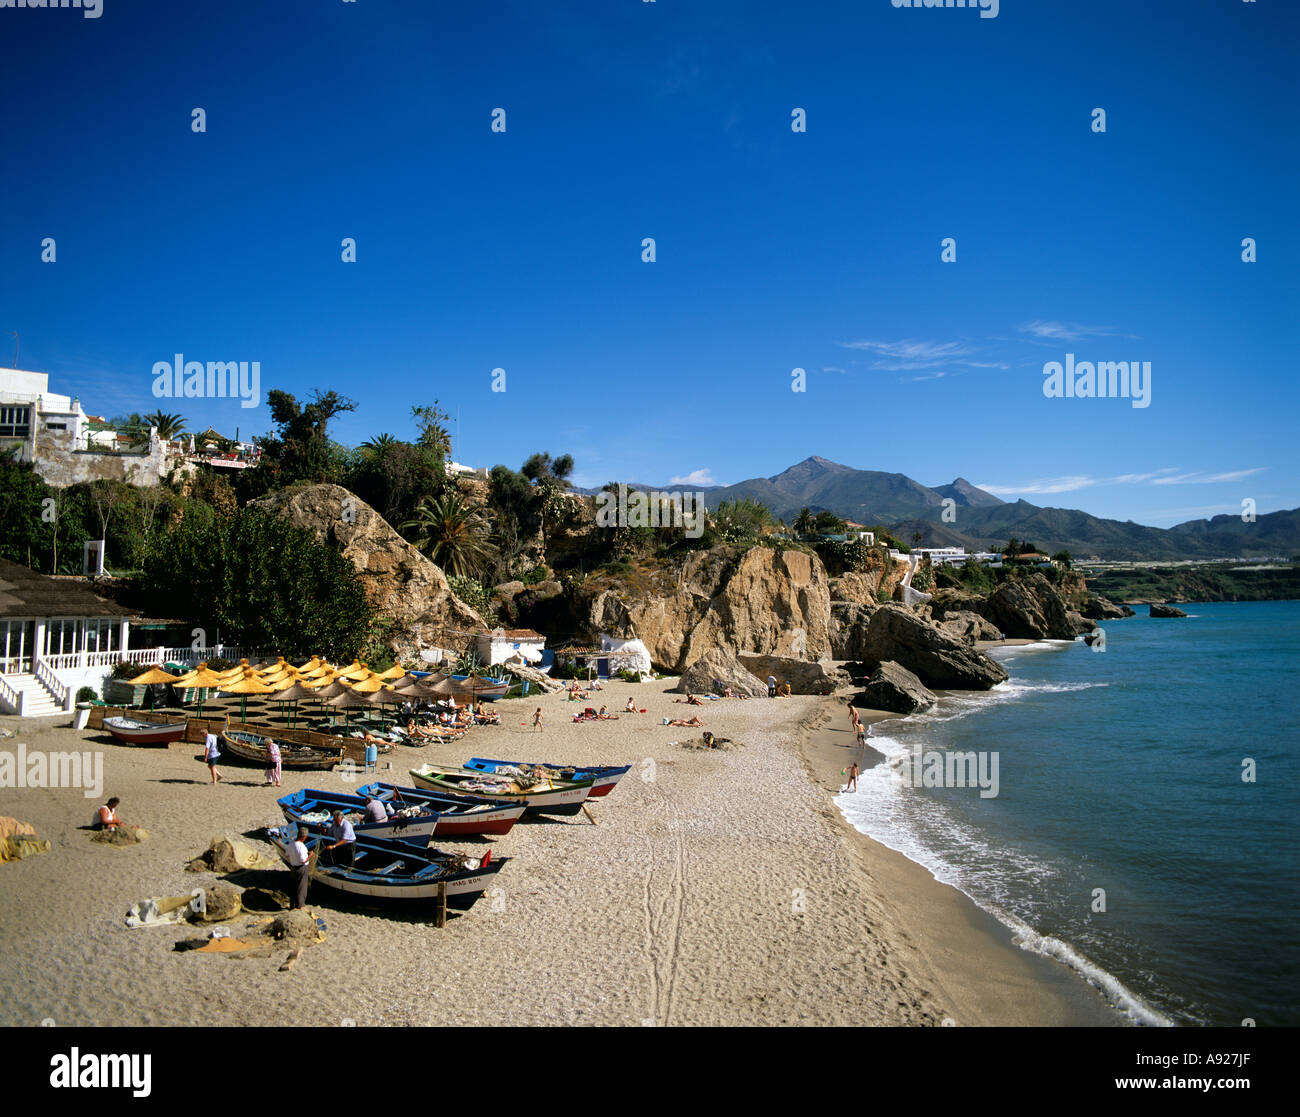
point(893, 687)
point(1165, 610)
point(939, 660)
point(1030, 608)
point(763, 601)
point(1098, 608)
point(804, 676)
point(848, 623)
point(858, 588)
point(400, 584)
point(718, 667)
point(969, 627)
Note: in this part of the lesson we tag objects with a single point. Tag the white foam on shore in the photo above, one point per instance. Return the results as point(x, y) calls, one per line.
point(890, 812)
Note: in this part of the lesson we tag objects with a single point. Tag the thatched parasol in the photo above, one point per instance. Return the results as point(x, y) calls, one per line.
point(249, 684)
point(199, 678)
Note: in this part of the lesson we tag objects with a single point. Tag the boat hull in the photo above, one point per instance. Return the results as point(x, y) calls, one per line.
point(603, 778)
point(446, 820)
point(561, 798)
point(131, 732)
point(463, 887)
point(296, 757)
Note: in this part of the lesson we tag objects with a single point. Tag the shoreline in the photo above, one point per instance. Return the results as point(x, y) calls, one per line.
point(986, 978)
point(719, 888)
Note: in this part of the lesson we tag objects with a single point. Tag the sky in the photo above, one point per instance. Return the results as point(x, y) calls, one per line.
point(775, 249)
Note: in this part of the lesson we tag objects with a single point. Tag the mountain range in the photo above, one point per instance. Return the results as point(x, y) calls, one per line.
point(978, 520)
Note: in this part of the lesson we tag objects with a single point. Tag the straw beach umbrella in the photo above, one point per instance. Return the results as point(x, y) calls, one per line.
point(200, 678)
point(249, 684)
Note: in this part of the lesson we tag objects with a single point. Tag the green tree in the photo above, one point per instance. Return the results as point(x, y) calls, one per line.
point(262, 581)
point(550, 478)
point(804, 522)
point(740, 521)
point(1064, 558)
point(300, 450)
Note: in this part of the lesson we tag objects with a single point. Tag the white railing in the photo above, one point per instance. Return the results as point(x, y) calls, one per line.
point(15, 665)
point(50, 681)
point(69, 661)
point(10, 698)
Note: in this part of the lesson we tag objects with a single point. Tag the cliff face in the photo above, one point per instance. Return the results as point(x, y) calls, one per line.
point(400, 584)
point(761, 601)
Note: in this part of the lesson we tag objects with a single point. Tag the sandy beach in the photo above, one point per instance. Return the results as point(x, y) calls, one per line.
point(719, 887)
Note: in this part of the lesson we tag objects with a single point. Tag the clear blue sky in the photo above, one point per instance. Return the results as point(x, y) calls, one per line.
point(776, 250)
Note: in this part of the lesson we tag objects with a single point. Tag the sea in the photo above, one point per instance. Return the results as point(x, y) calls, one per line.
point(1145, 823)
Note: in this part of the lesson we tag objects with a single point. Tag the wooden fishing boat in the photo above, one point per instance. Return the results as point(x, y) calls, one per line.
point(249, 747)
point(539, 796)
point(416, 816)
point(489, 690)
point(603, 778)
point(387, 870)
point(132, 732)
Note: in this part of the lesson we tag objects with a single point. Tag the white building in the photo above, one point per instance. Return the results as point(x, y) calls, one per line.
point(506, 643)
point(55, 433)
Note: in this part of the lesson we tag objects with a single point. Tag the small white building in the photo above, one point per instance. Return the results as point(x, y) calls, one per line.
point(505, 643)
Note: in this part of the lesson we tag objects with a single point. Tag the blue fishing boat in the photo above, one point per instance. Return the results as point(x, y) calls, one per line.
point(414, 818)
point(603, 778)
point(388, 870)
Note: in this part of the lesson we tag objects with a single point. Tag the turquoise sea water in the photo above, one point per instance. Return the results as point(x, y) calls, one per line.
point(1122, 771)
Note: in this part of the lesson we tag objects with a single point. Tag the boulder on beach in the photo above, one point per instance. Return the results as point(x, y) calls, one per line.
point(969, 627)
point(717, 666)
point(1098, 608)
point(893, 687)
point(1157, 610)
point(804, 676)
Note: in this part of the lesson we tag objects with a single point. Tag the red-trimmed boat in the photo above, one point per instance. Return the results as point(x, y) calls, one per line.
point(132, 732)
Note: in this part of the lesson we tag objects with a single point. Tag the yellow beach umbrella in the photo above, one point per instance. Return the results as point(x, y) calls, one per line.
point(394, 672)
point(249, 684)
point(200, 678)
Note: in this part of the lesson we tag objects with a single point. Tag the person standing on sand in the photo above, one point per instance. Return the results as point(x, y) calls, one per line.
point(853, 776)
point(274, 772)
point(300, 862)
point(211, 751)
point(537, 720)
point(862, 735)
point(771, 686)
point(854, 720)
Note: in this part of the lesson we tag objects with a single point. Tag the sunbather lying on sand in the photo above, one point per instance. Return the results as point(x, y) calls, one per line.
point(687, 723)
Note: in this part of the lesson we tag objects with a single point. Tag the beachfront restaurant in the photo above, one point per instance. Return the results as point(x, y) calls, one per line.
point(56, 635)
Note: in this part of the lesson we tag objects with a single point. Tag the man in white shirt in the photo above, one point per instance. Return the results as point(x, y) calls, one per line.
point(300, 862)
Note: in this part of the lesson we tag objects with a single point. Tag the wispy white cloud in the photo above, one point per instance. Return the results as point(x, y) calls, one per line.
point(913, 351)
point(1063, 331)
point(1167, 476)
point(695, 477)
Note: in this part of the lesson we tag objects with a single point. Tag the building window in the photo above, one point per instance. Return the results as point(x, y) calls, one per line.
point(15, 422)
point(56, 426)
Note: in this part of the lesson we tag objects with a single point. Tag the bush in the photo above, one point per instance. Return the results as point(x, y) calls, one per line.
point(127, 670)
point(628, 675)
point(535, 575)
point(474, 593)
point(87, 694)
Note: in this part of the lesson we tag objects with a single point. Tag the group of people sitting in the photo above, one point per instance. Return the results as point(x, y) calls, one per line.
point(582, 691)
point(421, 722)
point(589, 714)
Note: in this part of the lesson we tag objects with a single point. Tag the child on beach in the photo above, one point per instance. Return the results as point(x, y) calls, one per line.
point(853, 776)
point(210, 753)
point(537, 720)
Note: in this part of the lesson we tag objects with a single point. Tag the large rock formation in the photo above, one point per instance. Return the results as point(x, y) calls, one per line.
point(716, 666)
point(893, 687)
point(1098, 608)
point(400, 584)
point(848, 624)
point(1157, 610)
point(763, 601)
point(804, 676)
point(896, 632)
point(1030, 608)
point(969, 627)
point(854, 586)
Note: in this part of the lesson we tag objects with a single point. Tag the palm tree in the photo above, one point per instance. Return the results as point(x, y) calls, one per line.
point(454, 535)
point(804, 522)
point(170, 427)
point(377, 447)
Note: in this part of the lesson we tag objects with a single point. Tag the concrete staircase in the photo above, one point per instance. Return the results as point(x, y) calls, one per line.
point(35, 700)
